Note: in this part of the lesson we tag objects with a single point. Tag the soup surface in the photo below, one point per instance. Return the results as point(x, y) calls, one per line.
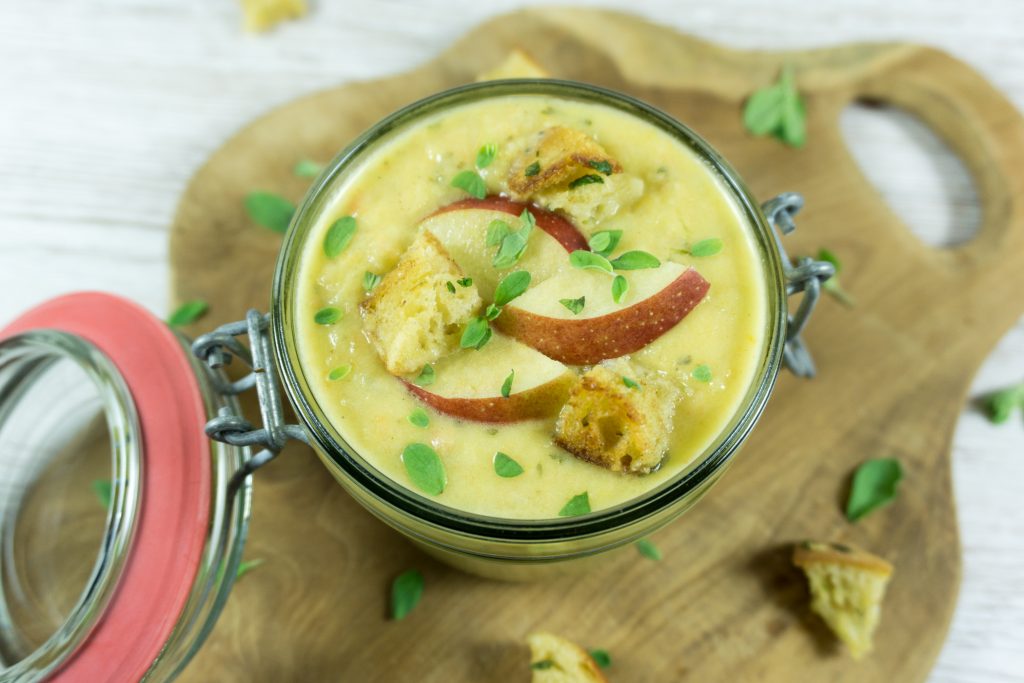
point(606, 375)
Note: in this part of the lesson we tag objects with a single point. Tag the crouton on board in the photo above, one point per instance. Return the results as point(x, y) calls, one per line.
point(847, 588)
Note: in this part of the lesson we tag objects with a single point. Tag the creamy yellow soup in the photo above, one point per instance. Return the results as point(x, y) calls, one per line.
point(683, 202)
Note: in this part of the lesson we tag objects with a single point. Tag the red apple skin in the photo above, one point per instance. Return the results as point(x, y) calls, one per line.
point(564, 232)
point(544, 400)
point(586, 341)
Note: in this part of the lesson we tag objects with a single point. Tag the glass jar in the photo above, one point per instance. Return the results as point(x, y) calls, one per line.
point(122, 518)
point(510, 548)
point(121, 523)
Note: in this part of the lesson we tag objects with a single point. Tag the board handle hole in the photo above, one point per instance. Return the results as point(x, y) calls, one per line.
point(921, 179)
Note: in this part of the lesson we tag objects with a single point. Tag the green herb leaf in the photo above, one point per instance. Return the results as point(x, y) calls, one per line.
point(620, 285)
point(601, 658)
point(527, 220)
point(426, 376)
point(486, 155)
point(496, 232)
point(511, 286)
point(465, 282)
point(708, 247)
point(832, 285)
point(370, 280)
point(471, 182)
point(476, 334)
point(327, 316)
point(340, 372)
point(406, 591)
point(506, 467)
point(630, 383)
point(532, 170)
point(339, 235)
point(648, 549)
point(492, 311)
point(188, 313)
point(513, 246)
point(306, 168)
point(542, 665)
point(702, 373)
point(1001, 404)
point(588, 179)
point(574, 305)
point(602, 166)
point(272, 211)
point(424, 468)
point(450, 286)
point(246, 567)
point(778, 110)
point(419, 418)
point(103, 488)
point(577, 505)
point(874, 485)
point(604, 242)
point(587, 259)
point(635, 260)
point(506, 386)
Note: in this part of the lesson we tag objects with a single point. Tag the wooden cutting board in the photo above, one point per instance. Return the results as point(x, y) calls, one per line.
point(724, 604)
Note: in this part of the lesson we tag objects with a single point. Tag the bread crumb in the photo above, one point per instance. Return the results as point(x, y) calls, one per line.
point(554, 659)
point(517, 64)
point(847, 588)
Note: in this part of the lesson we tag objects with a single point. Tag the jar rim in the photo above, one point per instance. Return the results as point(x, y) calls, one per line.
point(338, 455)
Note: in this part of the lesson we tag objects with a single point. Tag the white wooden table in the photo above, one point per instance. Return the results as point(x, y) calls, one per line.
point(108, 106)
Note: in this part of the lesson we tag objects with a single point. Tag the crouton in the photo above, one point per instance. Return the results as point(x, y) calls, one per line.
point(261, 15)
point(589, 205)
point(517, 64)
point(558, 157)
point(847, 587)
point(618, 416)
point(554, 659)
point(413, 317)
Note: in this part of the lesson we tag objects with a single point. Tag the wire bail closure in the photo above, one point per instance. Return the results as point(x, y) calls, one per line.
point(806, 275)
point(217, 349)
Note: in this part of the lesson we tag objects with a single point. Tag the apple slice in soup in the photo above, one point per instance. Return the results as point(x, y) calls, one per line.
point(462, 228)
point(656, 301)
point(468, 384)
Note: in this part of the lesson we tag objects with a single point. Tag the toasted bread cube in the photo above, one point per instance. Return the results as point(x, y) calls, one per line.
point(587, 206)
point(847, 588)
point(517, 64)
point(261, 15)
point(412, 317)
point(554, 659)
point(611, 423)
point(556, 158)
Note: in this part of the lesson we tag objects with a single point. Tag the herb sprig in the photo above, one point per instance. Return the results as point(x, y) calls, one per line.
point(778, 110)
point(874, 485)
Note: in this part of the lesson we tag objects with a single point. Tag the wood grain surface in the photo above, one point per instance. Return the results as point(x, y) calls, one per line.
point(724, 605)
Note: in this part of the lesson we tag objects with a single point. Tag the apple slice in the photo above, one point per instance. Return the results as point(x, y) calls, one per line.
point(468, 383)
point(656, 301)
point(462, 229)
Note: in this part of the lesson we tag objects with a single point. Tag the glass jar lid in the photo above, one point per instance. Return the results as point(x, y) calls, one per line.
point(111, 532)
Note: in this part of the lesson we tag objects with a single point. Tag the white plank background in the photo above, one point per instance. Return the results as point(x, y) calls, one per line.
point(108, 106)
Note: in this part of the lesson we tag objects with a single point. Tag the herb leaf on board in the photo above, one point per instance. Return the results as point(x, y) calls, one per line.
point(647, 548)
point(425, 468)
point(874, 485)
point(832, 285)
point(188, 313)
point(1001, 404)
point(778, 110)
point(601, 658)
point(270, 210)
point(406, 591)
point(306, 168)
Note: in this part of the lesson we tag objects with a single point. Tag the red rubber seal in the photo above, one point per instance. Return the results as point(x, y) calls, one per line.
point(174, 503)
